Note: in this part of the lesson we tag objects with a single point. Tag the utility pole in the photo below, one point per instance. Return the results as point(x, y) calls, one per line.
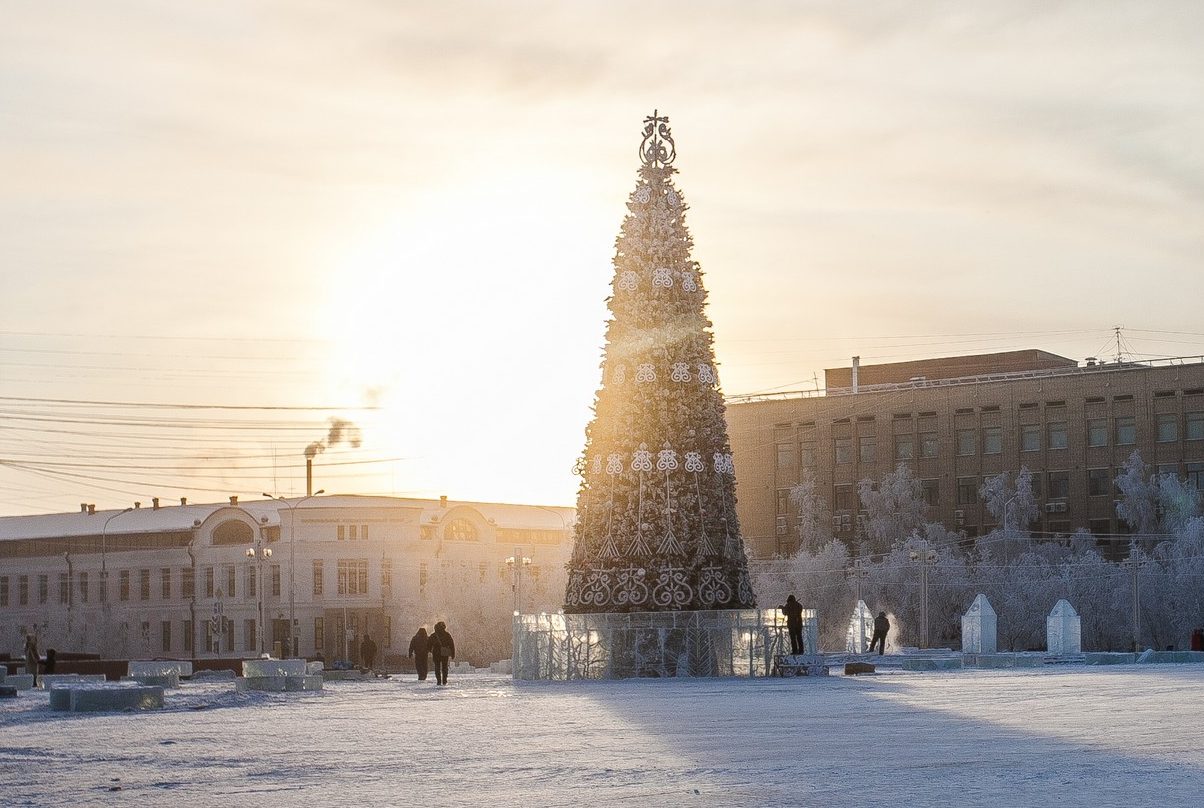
point(858, 572)
point(1134, 565)
point(926, 557)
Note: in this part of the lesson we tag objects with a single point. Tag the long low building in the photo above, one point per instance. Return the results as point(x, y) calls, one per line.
point(958, 420)
point(220, 580)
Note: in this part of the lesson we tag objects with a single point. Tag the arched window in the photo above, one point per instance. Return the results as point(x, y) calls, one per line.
point(460, 530)
point(233, 532)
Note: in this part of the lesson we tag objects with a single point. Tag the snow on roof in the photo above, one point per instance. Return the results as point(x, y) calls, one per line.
point(182, 518)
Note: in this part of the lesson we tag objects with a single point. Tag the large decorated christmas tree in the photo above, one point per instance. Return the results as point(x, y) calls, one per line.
point(656, 511)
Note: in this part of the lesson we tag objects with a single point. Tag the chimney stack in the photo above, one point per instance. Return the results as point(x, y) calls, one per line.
point(83, 507)
point(91, 509)
point(856, 369)
point(309, 476)
point(183, 500)
point(154, 503)
point(137, 505)
point(443, 501)
point(233, 500)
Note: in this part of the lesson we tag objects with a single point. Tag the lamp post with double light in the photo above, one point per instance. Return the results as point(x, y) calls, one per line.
point(257, 555)
point(292, 564)
point(104, 575)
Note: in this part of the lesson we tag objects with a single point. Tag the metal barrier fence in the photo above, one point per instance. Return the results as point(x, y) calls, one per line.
point(653, 644)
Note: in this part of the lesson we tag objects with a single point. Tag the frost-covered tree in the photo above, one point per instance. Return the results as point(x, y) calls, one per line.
point(894, 508)
point(1138, 504)
point(1010, 500)
point(657, 527)
point(814, 525)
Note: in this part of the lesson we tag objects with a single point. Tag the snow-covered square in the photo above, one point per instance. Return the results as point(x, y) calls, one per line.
point(1066, 736)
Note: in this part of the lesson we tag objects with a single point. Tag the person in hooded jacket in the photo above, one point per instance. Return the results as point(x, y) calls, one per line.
point(419, 648)
point(794, 623)
point(368, 652)
point(443, 648)
point(881, 627)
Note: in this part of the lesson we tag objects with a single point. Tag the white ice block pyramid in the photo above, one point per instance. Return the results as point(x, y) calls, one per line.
point(861, 629)
point(1063, 630)
point(979, 627)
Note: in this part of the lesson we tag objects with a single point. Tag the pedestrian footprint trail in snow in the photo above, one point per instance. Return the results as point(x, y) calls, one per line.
point(1068, 736)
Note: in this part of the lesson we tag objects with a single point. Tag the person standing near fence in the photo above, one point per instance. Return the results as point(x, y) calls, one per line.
point(794, 624)
point(881, 627)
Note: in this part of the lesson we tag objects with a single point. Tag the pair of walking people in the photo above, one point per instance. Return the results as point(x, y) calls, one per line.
point(441, 647)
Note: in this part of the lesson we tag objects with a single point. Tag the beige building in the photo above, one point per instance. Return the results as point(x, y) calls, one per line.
point(958, 420)
point(181, 580)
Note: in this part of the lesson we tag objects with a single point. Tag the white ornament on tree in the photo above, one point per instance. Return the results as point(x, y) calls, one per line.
point(662, 277)
point(643, 194)
point(628, 280)
point(645, 373)
point(641, 459)
point(687, 282)
point(693, 462)
point(706, 374)
point(680, 372)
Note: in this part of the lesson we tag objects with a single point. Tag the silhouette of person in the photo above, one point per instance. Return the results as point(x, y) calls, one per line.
point(794, 623)
point(881, 626)
point(419, 648)
point(368, 652)
point(443, 648)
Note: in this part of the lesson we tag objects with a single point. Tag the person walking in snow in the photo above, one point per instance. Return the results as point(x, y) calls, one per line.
point(31, 655)
point(443, 648)
point(419, 648)
point(794, 623)
point(881, 627)
point(368, 652)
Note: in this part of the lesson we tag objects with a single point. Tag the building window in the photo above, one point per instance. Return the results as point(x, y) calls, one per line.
point(104, 586)
point(165, 583)
point(1099, 527)
point(187, 624)
point(843, 450)
point(928, 445)
point(1059, 484)
point(22, 590)
point(208, 582)
point(905, 447)
point(1097, 432)
point(123, 585)
point(275, 580)
point(785, 456)
point(3, 590)
point(930, 491)
point(165, 635)
point(248, 635)
point(966, 442)
point(187, 583)
point(1126, 430)
point(319, 634)
point(340, 532)
point(1030, 438)
point(1099, 482)
point(363, 533)
point(1195, 426)
point(388, 627)
point(783, 501)
point(250, 588)
point(1168, 428)
point(967, 490)
point(83, 587)
point(144, 584)
point(317, 576)
point(352, 577)
point(868, 449)
point(1195, 475)
point(1057, 434)
point(231, 575)
point(43, 588)
point(423, 575)
point(992, 440)
point(807, 453)
point(64, 588)
point(460, 530)
point(386, 575)
point(846, 498)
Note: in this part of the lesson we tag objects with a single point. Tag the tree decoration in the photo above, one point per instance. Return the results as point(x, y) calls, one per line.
point(658, 529)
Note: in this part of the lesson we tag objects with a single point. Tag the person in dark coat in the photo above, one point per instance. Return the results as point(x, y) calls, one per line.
point(368, 652)
point(48, 665)
point(31, 655)
point(794, 623)
point(419, 648)
point(443, 648)
point(881, 626)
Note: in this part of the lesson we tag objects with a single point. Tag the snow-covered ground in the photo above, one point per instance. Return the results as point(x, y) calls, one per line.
point(1070, 736)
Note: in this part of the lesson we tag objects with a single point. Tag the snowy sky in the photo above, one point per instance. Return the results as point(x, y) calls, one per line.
point(414, 205)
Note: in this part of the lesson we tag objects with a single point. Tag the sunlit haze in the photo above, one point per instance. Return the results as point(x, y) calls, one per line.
point(404, 215)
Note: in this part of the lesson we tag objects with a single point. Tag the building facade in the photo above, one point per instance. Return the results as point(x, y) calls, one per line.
point(956, 421)
point(196, 580)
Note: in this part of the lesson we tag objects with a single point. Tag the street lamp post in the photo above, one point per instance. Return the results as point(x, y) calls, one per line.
point(104, 574)
point(926, 556)
point(292, 565)
point(516, 563)
point(257, 555)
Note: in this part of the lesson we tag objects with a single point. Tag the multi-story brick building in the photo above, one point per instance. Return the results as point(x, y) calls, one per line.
point(178, 580)
point(959, 420)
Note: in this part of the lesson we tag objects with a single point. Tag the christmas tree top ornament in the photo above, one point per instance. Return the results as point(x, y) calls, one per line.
point(656, 510)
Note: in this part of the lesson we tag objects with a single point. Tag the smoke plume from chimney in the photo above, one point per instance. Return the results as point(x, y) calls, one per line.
point(341, 431)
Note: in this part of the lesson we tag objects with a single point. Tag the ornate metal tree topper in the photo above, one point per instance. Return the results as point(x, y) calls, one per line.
point(657, 147)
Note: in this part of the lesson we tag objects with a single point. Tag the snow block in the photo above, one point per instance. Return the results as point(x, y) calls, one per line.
point(3, 673)
point(343, 676)
point(313, 668)
point(789, 665)
point(165, 680)
point(857, 668)
point(93, 699)
point(60, 698)
point(8, 692)
point(1063, 630)
point(21, 681)
point(861, 629)
point(254, 668)
point(505, 666)
point(1179, 657)
point(978, 627)
point(49, 680)
point(223, 673)
point(996, 661)
point(159, 667)
point(1109, 658)
point(932, 663)
point(279, 684)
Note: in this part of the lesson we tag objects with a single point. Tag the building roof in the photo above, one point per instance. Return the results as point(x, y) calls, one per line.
point(182, 518)
point(948, 367)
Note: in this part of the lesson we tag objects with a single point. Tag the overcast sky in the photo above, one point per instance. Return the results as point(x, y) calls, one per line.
point(414, 205)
